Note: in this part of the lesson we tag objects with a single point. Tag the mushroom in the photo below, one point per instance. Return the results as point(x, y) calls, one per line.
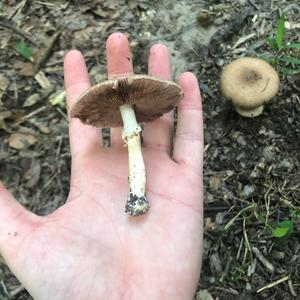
point(127, 101)
point(249, 83)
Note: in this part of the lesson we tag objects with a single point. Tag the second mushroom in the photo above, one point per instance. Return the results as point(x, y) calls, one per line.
point(249, 83)
point(128, 101)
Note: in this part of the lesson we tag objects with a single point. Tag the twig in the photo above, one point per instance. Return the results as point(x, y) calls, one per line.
point(64, 115)
point(253, 4)
point(229, 290)
point(4, 287)
point(252, 267)
point(240, 249)
point(247, 244)
point(16, 291)
point(292, 288)
point(46, 51)
point(263, 260)
point(237, 215)
point(33, 113)
point(45, 3)
point(17, 9)
point(243, 40)
point(272, 284)
point(6, 24)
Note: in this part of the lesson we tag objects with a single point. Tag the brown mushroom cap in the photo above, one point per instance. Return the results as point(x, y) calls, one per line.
point(151, 97)
point(249, 82)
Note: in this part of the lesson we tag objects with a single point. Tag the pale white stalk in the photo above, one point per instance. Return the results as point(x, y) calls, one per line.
point(137, 203)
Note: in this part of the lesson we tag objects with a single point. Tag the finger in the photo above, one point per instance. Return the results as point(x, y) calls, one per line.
point(158, 133)
point(83, 138)
point(188, 147)
point(119, 63)
point(16, 222)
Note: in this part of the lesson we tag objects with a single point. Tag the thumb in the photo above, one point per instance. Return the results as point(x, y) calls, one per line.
point(15, 222)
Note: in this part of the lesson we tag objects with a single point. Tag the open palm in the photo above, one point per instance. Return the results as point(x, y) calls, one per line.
point(89, 248)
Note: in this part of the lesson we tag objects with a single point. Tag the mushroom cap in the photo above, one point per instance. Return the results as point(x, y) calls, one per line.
point(249, 82)
point(151, 98)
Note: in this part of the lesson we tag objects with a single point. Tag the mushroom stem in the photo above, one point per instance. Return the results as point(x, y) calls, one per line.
point(250, 113)
point(137, 203)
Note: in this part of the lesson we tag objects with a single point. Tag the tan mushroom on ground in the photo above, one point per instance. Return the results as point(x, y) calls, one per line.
point(249, 83)
point(127, 101)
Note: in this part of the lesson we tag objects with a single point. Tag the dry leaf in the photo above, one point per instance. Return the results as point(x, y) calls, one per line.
point(214, 183)
point(31, 100)
point(4, 115)
point(33, 174)
point(43, 81)
point(58, 99)
point(27, 69)
point(20, 140)
point(4, 82)
point(40, 125)
point(209, 225)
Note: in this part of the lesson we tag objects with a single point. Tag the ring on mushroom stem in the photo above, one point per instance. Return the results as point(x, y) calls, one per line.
point(127, 101)
point(249, 83)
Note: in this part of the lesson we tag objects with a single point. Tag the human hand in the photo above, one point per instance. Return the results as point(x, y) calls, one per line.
point(89, 248)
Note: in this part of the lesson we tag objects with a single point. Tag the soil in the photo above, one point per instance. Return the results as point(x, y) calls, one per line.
point(251, 167)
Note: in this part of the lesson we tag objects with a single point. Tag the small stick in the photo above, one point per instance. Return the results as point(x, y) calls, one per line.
point(272, 284)
point(18, 9)
point(46, 51)
point(4, 287)
point(16, 291)
point(33, 113)
point(263, 260)
point(5, 24)
point(292, 288)
point(253, 4)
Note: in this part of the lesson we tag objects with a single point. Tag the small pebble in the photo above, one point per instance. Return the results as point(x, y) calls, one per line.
point(204, 295)
point(219, 218)
point(284, 165)
point(77, 24)
point(215, 263)
point(248, 191)
point(268, 154)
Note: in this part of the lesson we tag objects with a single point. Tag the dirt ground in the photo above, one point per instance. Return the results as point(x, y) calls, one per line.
point(251, 167)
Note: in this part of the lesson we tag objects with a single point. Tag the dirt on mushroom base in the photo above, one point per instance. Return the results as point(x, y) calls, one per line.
point(246, 161)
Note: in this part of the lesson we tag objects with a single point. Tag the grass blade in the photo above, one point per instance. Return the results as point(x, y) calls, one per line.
point(280, 32)
point(292, 46)
point(227, 226)
point(272, 43)
point(289, 71)
point(290, 60)
point(267, 58)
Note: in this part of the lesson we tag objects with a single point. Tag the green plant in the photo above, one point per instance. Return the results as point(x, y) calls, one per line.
point(237, 273)
point(283, 230)
point(286, 55)
point(295, 214)
point(23, 49)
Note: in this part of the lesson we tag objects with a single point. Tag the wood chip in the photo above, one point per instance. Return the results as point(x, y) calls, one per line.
point(263, 260)
point(4, 82)
point(204, 295)
point(42, 80)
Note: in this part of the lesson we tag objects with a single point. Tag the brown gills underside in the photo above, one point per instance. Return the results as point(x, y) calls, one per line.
point(151, 98)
